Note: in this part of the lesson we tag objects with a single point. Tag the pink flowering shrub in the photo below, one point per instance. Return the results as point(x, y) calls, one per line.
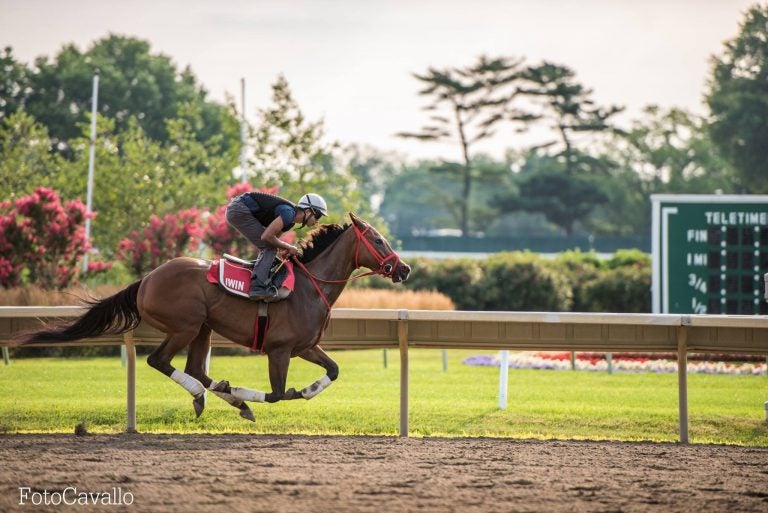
point(179, 234)
point(165, 238)
point(41, 240)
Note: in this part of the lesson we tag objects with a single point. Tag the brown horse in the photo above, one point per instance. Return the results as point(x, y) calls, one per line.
point(177, 299)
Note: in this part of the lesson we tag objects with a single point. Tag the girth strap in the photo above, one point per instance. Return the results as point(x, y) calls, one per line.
point(260, 329)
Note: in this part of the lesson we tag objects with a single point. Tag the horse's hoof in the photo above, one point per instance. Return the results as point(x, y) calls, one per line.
point(199, 404)
point(221, 386)
point(246, 413)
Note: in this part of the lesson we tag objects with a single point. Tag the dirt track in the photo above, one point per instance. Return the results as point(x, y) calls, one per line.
point(233, 473)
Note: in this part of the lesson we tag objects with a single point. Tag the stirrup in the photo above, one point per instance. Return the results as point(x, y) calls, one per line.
point(268, 292)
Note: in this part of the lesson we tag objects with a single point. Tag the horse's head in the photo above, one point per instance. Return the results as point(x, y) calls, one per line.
point(374, 252)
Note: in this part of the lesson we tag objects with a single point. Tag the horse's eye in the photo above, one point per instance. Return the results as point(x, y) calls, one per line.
point(379, 241)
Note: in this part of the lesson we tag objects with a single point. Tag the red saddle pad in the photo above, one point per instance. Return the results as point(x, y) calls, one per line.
point(235, 277)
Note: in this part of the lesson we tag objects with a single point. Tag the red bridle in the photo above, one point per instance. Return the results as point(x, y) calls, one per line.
point(385, 269)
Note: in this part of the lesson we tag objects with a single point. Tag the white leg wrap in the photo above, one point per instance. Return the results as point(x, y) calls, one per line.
point(246, 394)
point(188, 383)
point(316, 387)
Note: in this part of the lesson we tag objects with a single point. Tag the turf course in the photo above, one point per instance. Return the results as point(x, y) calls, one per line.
point(53, 395)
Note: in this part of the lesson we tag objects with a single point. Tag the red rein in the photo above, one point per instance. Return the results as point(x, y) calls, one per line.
point(384, 269)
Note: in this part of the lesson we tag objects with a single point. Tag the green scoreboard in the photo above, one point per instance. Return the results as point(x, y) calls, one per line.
point(709, 253)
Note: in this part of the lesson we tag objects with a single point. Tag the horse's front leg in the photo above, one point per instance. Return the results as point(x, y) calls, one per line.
point(278, 374)
point(319, 357)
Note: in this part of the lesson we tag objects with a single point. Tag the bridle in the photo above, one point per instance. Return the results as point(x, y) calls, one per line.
point(386, 266)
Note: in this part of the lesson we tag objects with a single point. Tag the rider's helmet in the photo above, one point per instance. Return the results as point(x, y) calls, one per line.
point(315, 203)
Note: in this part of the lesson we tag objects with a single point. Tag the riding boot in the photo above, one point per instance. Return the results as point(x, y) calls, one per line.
point(261, 287)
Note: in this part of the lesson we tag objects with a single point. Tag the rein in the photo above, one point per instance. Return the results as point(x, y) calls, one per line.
point(385, 269)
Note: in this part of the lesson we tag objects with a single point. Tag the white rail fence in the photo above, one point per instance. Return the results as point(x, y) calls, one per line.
point(517, 331)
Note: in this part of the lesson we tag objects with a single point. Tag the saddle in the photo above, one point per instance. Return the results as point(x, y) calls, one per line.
point(234, 276)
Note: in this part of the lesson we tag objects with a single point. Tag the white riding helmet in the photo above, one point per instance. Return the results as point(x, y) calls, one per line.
point(315, 203)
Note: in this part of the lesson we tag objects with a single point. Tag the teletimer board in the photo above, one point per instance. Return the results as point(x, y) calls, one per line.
point(709, 253)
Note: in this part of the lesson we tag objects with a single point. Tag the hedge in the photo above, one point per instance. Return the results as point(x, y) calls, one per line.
point(523, 281)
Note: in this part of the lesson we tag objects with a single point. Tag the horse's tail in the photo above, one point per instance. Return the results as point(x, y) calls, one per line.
point(110, 316)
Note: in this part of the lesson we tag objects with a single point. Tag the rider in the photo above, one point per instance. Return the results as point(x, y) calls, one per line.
point(262, 218)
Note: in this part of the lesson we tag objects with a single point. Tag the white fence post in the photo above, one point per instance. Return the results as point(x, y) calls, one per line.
point(130, 351)
point(402, 338)
point(682, 381)
point(503, 379)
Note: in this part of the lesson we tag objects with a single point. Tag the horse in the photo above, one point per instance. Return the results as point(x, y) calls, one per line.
point(177, 299)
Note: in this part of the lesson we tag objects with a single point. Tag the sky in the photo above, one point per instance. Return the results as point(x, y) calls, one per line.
point(351, 62)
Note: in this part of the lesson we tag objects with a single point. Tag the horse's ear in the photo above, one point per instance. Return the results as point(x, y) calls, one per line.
point(354, 218)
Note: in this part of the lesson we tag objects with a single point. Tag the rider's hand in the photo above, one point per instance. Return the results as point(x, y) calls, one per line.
point(292, 250)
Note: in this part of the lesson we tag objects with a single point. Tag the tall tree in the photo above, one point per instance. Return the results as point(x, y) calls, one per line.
point(287, 146)
point(373, 170)
point(671, 151)
point(137, 177)
point(738, 101)
point(14, 83)
point(466, 105)
point(133, 83)
point(25, 157)
point(290, 153)
point(568, 106)
point(546, 187)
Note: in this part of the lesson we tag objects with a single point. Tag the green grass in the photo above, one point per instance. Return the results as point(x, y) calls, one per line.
point(51, 395)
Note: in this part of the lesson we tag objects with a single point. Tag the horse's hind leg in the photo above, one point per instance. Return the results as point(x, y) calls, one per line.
point(319, 357)
point(161, 357)
point(197, 354)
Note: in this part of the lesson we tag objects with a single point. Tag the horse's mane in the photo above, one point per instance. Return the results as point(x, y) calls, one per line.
point(318, 241)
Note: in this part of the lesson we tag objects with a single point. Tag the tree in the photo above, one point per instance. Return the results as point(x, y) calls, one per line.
point(133, 83)
point(26, 160)
point(373, 171)
point(413, 201)
point(137, 176)
point(290, 153)
point(567, 105)
point(626, 210)
point(665, 151)
point(738, 101)
point(14, 84)
point(287, 146)
point(468, 103)
point(160, 146)
point(41, 240)
point(671, 151)
point(562, 197)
